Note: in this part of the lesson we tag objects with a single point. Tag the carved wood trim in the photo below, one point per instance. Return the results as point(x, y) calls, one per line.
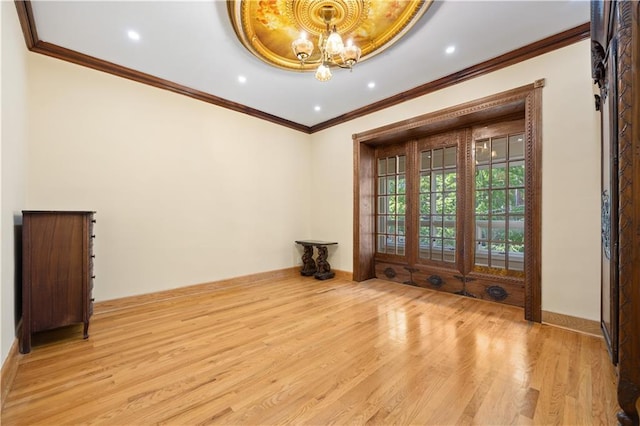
point(487, 108)
point(526, 99)
point(629, 209)
point(468, 176)
point(34, 44)
point(533, 209)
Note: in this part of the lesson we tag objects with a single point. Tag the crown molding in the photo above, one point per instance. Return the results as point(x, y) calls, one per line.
point(34, 44)
point(532, 50)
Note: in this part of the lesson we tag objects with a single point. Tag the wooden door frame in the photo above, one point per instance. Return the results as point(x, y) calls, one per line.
point(525, 99)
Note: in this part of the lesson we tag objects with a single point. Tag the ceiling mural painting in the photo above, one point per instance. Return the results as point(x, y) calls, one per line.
point(267, 28)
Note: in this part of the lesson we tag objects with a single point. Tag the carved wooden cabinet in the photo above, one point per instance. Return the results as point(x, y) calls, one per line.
point(57, 271)
point(615, 48)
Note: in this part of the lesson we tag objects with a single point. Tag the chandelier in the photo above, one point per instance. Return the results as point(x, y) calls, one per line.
point(333, 51)
point(268, 27)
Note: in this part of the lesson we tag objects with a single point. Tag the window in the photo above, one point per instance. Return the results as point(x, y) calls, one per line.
point(499, 214)
point(391, 204)
point(518, 282)
point(438, 204)
point(430, 223)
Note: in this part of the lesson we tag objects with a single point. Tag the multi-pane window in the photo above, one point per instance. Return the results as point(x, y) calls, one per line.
point(500, 202)
point(426, 187)
point(452, 210)
point(437, 211)
point(391, 205)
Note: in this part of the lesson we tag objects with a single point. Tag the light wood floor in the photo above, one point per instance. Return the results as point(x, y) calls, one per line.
point(302, 351)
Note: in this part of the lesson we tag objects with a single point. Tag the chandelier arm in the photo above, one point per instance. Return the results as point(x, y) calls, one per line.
point(316, 61)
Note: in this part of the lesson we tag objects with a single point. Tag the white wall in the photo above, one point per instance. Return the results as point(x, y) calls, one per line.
point(185, 192)
point(571, 172)
point(13, 123)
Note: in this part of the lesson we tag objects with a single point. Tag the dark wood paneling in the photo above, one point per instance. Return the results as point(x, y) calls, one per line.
point(629, 209)
point(533, 208)
point(477, 286)
point(616, 70)
point(364, 169)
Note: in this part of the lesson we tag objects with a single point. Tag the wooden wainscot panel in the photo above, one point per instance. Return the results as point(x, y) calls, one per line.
point(511, 293)
point(491, 288)
point(393, 272)
point(436, 278)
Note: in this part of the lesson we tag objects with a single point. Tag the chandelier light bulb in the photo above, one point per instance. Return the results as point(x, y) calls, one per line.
point(350, 54)
point(323, 73)
point(334, 43)
point(302, 47)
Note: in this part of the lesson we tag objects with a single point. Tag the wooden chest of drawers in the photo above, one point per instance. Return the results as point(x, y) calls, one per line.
point(57, 271)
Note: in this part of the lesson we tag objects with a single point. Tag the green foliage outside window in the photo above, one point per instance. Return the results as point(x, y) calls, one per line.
point(493, 201)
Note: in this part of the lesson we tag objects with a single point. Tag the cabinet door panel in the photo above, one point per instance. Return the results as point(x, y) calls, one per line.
point(609, 206)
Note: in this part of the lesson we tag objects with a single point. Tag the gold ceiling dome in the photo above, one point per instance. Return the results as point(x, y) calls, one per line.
point(279, 32)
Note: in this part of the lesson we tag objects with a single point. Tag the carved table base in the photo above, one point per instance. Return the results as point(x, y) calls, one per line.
point(308, 265)
point(320, 269)
point(324, 269)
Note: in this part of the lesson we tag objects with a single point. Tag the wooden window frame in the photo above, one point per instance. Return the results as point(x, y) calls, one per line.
point(505, 128)
point(525, 100)
point(439, 141)
point(395, 150)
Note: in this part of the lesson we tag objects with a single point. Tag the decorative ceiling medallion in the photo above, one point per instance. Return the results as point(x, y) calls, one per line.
point(268, 27)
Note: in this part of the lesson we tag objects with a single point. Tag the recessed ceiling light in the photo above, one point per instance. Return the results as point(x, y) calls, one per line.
point(371, 84)
point(317, 108)
point(133, 35)
point(449, 50)
point(242, 79)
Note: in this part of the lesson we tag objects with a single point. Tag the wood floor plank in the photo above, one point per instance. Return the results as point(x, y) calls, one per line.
point(295, 350)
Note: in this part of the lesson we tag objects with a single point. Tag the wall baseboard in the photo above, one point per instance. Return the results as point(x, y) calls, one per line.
point(9, 370)
point(343, 275)
point(143, 299)
point(572, 323)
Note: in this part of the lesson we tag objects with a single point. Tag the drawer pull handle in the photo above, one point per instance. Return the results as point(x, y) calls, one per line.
point(93, 277)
